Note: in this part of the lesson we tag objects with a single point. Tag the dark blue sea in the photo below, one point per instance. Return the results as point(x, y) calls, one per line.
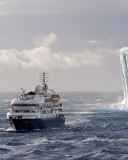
point(94, 130)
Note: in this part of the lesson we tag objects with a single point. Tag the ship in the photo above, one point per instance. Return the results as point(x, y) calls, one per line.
point(36, 109)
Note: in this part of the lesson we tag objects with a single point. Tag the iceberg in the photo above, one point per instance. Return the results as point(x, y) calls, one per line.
point(124, 66)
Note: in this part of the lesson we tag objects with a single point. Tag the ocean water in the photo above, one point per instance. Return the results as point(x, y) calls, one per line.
point(93, 130)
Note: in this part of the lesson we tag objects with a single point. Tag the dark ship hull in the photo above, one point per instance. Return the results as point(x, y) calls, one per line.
point(33, 124)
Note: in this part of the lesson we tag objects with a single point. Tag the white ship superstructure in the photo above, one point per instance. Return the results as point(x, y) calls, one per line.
point(37, 109)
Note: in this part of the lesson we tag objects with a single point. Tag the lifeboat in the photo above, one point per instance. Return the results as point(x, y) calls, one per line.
point(55, 97)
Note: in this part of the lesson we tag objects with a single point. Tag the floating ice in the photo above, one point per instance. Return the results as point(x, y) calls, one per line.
point(124, 66)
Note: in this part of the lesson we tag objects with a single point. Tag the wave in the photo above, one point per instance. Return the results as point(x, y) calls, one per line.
point(10, 129)
point(121, 106)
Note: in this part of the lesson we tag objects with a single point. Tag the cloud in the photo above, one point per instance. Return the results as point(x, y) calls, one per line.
point(67, 7)
point(94, 42)
point(46, 40)
point(42, 56)
point(67, 36)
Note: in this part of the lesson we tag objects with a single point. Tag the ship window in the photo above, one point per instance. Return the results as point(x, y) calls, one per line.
point(24, 104)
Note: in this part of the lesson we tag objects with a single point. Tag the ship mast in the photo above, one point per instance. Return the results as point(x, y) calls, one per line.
point(43, 80)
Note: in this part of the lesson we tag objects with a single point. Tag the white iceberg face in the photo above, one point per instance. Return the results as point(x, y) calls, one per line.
point(124, 66)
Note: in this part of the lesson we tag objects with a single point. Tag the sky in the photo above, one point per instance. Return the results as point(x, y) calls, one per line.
point(76, 41)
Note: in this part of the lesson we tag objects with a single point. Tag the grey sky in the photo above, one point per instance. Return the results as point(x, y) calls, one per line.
point(76, 41)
